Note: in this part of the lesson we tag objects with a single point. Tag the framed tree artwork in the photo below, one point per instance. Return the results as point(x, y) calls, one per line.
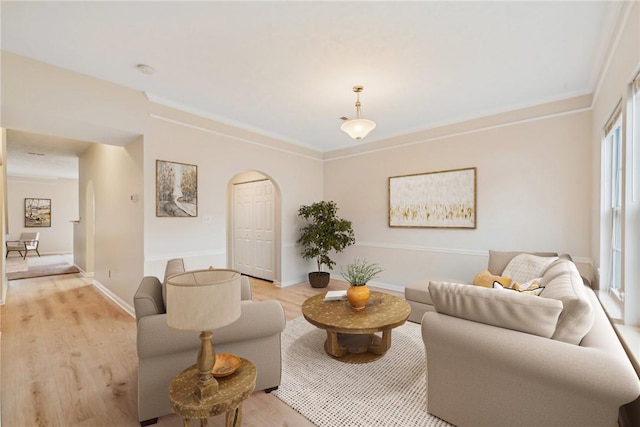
point(37, 212)
point(445, 199)
point(176, 189)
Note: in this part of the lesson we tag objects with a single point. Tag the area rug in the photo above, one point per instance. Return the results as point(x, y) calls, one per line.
point(15, 265)
point(44, 270)
point(389, 392)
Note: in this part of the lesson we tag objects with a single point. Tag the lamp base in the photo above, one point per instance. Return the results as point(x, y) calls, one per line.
point(207, 385)
point(205, 391)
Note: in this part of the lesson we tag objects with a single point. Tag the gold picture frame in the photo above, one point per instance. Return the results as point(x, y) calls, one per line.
point(443, 199)
point(176, 189)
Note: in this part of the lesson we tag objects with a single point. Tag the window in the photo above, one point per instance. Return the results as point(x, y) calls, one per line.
point(620, 220)
point(612, 169)
point(615, 283)
point(620, 215)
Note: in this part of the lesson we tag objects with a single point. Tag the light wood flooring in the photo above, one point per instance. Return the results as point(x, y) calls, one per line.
point(68, 357)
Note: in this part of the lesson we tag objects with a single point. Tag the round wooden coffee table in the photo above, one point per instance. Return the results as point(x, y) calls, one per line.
point(351, 334)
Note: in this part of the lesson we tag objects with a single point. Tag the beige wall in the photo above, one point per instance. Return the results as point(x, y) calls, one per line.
point(40, 98)
point(203, 241)
point(3, 214)
point(115, 174)
point(63, 193)
point(533, 193)
point(45, 99)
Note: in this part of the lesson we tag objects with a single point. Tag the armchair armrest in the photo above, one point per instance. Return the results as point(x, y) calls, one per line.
point(147, 300)
point(257, 319)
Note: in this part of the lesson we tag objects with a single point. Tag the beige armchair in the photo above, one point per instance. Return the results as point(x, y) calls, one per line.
point(163, 352)
point(27, 242)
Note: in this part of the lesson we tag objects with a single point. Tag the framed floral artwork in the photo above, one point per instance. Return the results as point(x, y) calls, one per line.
point(444, 199)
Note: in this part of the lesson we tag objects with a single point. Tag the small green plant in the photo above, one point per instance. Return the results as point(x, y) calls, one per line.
point(360, 272)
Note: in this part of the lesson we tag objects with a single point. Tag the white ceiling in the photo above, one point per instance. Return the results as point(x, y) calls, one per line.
point(287, 69)
point(42, 156)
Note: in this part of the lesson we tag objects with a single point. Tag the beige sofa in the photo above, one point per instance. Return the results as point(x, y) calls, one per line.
point(163, 353)
point(503, 358)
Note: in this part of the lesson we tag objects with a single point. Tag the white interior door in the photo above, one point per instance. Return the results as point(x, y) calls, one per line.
point(242, 228)
point(253, 228)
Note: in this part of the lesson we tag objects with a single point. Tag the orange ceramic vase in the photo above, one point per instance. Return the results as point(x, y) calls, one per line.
point(358, 296)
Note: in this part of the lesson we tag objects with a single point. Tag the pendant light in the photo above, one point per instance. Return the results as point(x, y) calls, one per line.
point(358, 128)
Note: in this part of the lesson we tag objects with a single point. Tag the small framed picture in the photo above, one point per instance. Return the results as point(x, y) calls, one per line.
point(37, 212)
point(176, 189)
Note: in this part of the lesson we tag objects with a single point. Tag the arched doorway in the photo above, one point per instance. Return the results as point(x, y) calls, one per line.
point(254, 219)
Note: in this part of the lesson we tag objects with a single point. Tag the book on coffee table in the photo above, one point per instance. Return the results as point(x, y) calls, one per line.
point(335, 296)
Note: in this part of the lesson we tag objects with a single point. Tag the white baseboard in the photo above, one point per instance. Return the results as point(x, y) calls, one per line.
point(116, 299)
point(289, 283)
point(85, 274)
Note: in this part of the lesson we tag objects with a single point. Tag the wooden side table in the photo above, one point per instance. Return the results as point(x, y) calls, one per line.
point(232, 391)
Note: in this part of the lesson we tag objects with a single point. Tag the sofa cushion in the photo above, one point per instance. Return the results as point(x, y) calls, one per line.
point(418, 290)
point(486, 279)
point(504, 309)
point(498, 260)
point(524, 267)
point(562, 282)
point(174, 266)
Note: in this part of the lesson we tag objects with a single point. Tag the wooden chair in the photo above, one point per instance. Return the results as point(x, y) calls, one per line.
point(27, 242)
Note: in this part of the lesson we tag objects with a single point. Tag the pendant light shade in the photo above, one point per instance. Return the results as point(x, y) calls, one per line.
point(358, 128)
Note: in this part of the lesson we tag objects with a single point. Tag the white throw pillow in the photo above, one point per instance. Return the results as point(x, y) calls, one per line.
point(525, 267)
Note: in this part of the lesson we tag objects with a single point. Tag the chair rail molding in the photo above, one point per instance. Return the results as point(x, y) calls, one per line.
point(455, 251)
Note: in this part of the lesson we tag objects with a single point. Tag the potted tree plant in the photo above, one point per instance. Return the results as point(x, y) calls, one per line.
point(358, 274)
point(324, 232)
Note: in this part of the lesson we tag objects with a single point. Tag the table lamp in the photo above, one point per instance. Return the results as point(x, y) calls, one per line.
point(203, 300)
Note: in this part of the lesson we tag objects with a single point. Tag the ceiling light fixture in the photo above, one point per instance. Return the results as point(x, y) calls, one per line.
point(357, 128)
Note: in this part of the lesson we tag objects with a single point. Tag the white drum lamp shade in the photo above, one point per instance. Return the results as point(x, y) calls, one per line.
point(203, 300)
